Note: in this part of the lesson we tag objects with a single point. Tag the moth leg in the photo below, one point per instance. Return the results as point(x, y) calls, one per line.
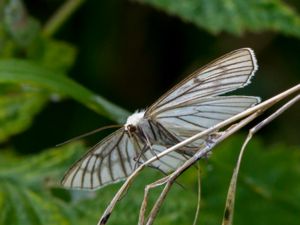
point(154, 153)
point(139, 157)
point(164, 173)
point(146, 139)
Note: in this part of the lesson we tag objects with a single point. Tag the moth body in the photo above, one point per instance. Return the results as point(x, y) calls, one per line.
point(134, 119)
point(147, 130)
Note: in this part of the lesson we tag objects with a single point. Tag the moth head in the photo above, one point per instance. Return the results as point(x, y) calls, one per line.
point(131, 128)
point(133, 121)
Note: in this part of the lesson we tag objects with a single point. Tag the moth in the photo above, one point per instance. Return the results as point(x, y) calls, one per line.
point(188, 108)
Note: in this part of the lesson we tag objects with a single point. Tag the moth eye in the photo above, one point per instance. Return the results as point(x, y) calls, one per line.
point(131, 128)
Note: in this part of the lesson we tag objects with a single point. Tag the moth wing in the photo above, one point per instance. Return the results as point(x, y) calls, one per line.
point(167, 163)
point(194, 116)
point(227, 73)
point(110, 161)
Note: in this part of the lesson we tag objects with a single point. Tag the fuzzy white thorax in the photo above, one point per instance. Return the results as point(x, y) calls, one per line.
point(134, 119)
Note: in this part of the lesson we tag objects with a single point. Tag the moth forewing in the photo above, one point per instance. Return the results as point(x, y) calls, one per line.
point(227, 73)
point(196, 116)
point(111, 160)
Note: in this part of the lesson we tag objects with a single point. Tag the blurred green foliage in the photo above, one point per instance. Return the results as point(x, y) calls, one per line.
point(114, 48)
point(236, 16)
point(30, 193)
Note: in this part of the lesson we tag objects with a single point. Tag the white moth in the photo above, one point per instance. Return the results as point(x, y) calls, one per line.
point(190, 107)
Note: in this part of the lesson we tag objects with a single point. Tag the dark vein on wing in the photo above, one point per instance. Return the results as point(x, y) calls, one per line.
point(191, 103)
point(85, 170)
point(208, 94)
point(232, 71)
point(99, 171)
point(110, 172)
point(93, 170)
point(205, 117)
point(190, 114)
point(227, 106)
point(169, 155)
point(75, 174)
point(214, 88)
point(219, 83)
point(200, 71)
point(121, 161)
point(167, 134)
point(127, 153)
point(206, 81)
point(219, 66)
point(195, 124)
point(162, 161)
point(109, 162)
point(152, 130)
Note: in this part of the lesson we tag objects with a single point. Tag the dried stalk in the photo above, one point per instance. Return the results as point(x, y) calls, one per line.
point(199, 196)
point(229, 207)
point(230, 201)
point(146, 193)
point(249, 114)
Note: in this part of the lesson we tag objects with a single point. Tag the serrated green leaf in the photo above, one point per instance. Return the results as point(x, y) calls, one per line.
point(26, 183)
point(23, 72)
point(234, 16)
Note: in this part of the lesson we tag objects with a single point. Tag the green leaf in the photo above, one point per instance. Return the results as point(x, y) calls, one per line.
point(18, 106)
point(23, 72)
point(234, 16)
point(20, 37)
point(26, 184)
point(20, 102)
point(41, 170)
point(51, 54)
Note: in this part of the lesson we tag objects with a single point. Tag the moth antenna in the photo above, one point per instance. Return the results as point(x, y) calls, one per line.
point(89, 133)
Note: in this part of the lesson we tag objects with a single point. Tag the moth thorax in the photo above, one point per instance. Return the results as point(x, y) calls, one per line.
point(133, 121)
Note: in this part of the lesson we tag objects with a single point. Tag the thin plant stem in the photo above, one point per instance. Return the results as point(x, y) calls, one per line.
point(61, 16)
point(230, 201)
point(145, 200)
point(199, 195)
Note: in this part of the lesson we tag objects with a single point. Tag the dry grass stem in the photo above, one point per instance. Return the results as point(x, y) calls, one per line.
point(238, 121)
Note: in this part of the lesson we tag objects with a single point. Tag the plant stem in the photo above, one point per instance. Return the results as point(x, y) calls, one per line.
point(61, 15)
